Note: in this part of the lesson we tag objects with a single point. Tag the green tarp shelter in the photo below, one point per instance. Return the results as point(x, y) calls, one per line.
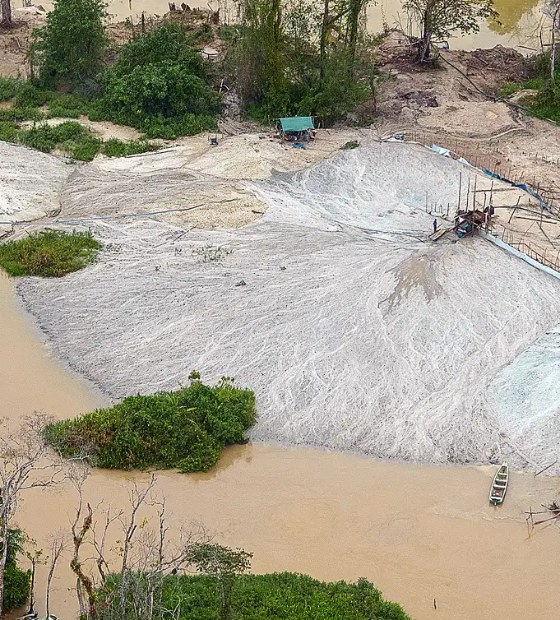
point(296, 123)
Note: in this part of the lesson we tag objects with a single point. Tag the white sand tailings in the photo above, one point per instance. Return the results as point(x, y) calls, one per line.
point(30, 184)
point(354, 332)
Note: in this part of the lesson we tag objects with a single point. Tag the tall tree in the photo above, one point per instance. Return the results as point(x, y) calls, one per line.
point(223, 563)
point(552, 10)
point(6, 8)
point(71, 46)
point(438, 19)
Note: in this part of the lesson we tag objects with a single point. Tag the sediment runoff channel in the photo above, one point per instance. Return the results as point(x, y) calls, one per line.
point(417, 532)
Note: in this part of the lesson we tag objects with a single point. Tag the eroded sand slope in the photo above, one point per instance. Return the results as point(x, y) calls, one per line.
point(354, 332)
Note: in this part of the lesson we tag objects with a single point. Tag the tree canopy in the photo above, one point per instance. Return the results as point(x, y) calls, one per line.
point(70, 48)
point(438, 19)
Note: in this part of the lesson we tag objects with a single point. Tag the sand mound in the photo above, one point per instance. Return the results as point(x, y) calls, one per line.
point(158, 183)
point(470, 119)
point(353, 331)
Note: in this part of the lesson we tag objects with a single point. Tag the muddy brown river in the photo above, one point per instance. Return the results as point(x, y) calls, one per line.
point(417, 532)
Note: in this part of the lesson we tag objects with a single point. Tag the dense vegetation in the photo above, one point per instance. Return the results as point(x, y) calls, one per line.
point(49, 253)
point(546, 103)
point(16, 581)
point(255, 597)
point(285, 57)
point(69, 137)
point(301, 58)
point(186, 429)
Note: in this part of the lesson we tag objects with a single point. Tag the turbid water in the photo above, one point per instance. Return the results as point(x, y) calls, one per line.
point(518, 22)
point(418, 533)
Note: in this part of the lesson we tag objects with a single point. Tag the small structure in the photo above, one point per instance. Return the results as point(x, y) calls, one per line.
point(296, 128)
point(466, 223)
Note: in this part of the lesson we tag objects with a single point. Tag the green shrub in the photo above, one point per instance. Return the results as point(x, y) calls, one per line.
point(17, 582)
point(49, 253)
point(286, 596)
point(20, 114)
point(67, 106)
point(185, 429)
point(70, 48)
point(29, 96)
point(85, 149)
point(117, 148)
point(165, 43)
point(158, 86)
point(16, 587)
point(9, 87)
point(45, 137)
point(8, 131)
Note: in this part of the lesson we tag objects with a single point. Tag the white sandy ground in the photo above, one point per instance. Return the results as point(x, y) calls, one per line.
point(354, 331)
point(30, 184)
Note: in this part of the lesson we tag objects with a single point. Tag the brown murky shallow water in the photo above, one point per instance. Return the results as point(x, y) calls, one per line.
point(417, 532)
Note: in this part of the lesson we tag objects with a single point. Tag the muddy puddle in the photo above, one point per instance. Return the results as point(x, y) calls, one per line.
point(418, 533)
point(518, 23)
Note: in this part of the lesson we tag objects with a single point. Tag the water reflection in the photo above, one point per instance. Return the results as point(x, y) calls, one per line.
point(511, 13)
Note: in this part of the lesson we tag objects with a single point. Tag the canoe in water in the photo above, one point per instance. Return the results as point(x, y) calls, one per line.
point(499, 485)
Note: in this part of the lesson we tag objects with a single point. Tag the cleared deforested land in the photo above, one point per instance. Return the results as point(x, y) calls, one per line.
point(355, 332)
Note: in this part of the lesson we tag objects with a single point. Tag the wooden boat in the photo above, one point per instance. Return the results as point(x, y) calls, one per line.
point(499, 485)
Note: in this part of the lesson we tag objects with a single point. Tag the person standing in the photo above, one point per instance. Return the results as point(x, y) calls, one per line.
point(435, 225)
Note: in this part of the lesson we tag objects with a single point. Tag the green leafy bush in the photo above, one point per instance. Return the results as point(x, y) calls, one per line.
point(20, 114)
point(30, 96)
point(118, 148)
point(9, 87)
point(83, 150)
point(185, 429)
point(49, 253)
point(8, 131)
point(45, 137)
point(16, 587)
point(70, 48)
point(288, 596)
point(17, 582)
point(158, 86)
point(67, 105)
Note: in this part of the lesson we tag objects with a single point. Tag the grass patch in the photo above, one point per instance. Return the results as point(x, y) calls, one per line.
point(286, 596)
point(49, 253)
point(186, 429)
point(510, 88)
point(72, 138)
point(352, 144)
point(118, 148)
point(9, 87)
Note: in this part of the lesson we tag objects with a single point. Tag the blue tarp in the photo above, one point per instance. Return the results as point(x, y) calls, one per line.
point(522, 186)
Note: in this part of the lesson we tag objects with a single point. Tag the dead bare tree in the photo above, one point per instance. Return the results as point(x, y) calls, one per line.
point(84, 583)
point(25, 463)
point(137, 498)
point(58, 544)
point(99, 542)
point(552, 10)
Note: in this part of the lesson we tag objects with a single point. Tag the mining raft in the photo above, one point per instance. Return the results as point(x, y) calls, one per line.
point(468, 222)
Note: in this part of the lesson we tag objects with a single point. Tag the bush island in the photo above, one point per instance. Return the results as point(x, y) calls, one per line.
point(50, 253)
point(282, 595)
point(186, 429)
